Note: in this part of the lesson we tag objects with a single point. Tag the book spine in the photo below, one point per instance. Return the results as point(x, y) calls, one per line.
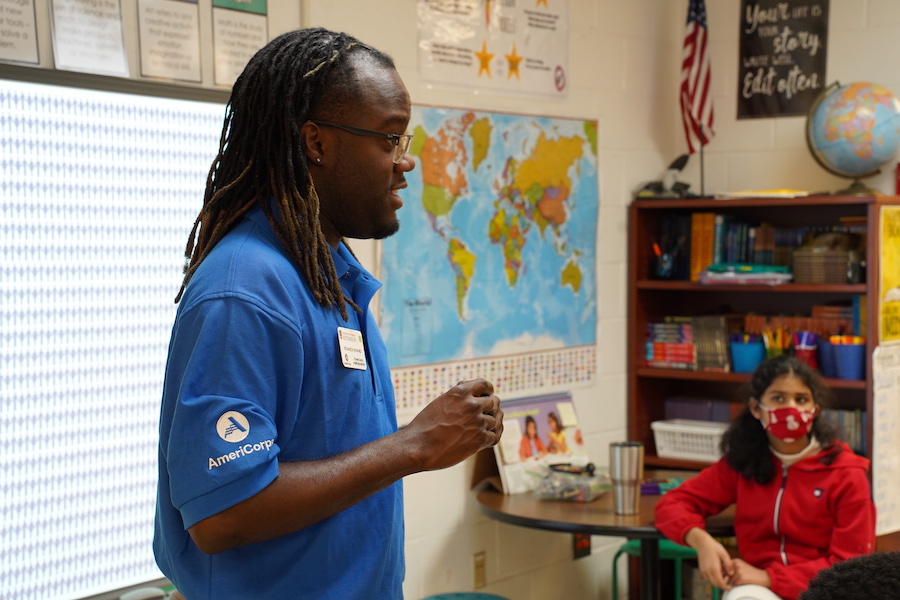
point(770, 245)
point(860, 323)
point(702, 238)
point(681, 268)
point(720, 243)
point(731, 242)
point(709, 240)
point(763, 248)
point(754, 251)
point(742, 243)
point(696, 235)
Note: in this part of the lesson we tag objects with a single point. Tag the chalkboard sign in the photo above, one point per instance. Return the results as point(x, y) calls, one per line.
point(782, 56)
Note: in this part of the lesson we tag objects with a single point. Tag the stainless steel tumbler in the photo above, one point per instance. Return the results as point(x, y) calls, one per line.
point(626, 469)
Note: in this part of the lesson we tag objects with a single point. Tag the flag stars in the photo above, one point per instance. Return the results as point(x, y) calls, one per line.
point(697, 13)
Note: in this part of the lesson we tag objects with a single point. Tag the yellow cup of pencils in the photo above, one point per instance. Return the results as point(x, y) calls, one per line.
point(776, 341)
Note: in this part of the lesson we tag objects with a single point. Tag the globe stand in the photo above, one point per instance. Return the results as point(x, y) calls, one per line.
point(858, 188)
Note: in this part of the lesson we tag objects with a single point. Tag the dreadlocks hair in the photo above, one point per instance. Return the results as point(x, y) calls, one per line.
point(875, 575)
point(298, 76)
point(745, 443)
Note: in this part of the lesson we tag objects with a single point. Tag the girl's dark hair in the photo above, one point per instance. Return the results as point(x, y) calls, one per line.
point(298, 76)
point(529, 420)
point(556, 420)
point(745, 443)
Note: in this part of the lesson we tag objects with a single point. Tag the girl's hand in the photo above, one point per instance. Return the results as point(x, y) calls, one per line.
point(714, 561)
point(745, 573)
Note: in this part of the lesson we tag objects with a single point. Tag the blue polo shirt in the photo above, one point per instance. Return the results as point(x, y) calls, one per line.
point(255, 376)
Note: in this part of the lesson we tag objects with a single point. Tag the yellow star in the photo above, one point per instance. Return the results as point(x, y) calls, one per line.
point(539, 2)
point(484, 59)
point(514, 60)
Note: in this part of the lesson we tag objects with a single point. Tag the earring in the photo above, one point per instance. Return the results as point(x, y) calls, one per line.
point(319, 160)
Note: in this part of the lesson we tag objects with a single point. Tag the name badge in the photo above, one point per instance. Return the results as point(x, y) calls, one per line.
point(353, 352)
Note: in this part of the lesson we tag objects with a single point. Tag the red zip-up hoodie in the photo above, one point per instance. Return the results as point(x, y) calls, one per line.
point(808, 517)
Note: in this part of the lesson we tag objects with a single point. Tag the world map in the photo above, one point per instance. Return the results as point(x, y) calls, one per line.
point(496, 249)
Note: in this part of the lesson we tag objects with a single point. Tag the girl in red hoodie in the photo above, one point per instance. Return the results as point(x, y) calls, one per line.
point(802, 498)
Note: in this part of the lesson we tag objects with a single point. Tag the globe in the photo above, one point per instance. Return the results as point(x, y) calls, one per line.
point(853, 130)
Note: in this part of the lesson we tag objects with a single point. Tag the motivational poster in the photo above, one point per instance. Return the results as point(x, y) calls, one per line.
point(782, 56)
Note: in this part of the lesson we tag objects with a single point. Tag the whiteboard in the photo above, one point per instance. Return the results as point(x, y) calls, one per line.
point(98, 192)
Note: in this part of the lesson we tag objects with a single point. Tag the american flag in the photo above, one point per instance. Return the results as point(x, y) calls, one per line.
point(696, 100)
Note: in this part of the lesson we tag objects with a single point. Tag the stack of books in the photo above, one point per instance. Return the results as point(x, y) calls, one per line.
point(711, 334)
point(698, 408)
point(851, 426)
point(825, 321)
point(835, 319)
point(745, 273)
point(698, 343)
point(670, 344)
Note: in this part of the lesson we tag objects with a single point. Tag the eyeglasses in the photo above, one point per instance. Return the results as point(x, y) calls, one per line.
point(401, 141)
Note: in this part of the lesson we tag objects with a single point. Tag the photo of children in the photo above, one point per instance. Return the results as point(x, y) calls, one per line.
point(539, 431)
point(531, 444)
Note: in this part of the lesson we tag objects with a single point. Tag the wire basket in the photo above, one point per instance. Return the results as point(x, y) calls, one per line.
point(821, 265)
point(688, 439)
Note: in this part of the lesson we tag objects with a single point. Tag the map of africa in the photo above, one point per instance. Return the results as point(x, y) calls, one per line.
point(495, 253)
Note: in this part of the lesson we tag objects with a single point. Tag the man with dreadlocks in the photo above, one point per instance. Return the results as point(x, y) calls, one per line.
point(280, 460)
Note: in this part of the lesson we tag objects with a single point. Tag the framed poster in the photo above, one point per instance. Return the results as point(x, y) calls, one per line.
point(782, 57)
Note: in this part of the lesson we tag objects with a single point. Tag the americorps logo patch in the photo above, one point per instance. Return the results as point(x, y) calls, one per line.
point(233, 427)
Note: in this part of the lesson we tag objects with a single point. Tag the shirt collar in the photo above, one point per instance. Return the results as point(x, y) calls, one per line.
point(788, 459)
point(357, 283)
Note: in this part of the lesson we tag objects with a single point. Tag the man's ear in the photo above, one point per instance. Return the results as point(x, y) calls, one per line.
point(313, 139)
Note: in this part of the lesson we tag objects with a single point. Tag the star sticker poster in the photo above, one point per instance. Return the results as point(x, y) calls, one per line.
point(517, 47)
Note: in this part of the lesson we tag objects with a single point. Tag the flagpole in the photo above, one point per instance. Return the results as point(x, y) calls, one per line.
point(702, 176)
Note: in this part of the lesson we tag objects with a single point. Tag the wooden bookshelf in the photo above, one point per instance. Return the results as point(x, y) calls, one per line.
point(650, 299)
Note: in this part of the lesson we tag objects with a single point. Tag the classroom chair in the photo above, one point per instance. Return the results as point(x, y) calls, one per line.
point(668, 550)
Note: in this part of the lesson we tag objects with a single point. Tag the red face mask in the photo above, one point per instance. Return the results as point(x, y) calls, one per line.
point(788, 424)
